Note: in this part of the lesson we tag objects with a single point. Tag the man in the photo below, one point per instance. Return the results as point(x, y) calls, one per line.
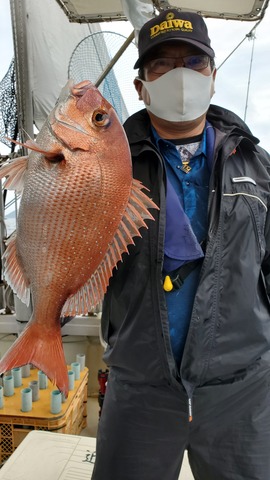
point(186, 315)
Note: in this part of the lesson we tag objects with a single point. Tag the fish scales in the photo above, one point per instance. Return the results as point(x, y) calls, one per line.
point(79, 210)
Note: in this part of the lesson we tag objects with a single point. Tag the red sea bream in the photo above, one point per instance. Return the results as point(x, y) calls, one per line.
point(80, 208)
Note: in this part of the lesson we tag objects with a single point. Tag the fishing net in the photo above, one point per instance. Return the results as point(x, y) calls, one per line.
point(8, 107)
point(91, 57)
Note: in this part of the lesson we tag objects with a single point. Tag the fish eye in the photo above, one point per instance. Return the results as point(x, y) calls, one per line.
point(101, 118)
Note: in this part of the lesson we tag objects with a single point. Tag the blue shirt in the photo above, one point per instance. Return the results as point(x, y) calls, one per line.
point(192, 191)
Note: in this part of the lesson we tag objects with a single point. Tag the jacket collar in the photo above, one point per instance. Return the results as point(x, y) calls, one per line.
point(220, 118)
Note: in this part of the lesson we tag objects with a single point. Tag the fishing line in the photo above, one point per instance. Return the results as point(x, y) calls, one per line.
point(248, 35)
point(253, 38)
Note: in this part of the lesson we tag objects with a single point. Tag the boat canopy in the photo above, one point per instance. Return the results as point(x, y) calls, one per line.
point(83, 11)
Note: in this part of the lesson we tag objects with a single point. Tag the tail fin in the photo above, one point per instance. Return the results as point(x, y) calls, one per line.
point(43, 348)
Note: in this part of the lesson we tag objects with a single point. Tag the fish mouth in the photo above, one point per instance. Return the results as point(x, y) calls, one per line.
point(78, 90)
point(81, 88)
point(80, 110)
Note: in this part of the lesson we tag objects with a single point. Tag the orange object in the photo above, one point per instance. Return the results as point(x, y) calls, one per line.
point(79, 211)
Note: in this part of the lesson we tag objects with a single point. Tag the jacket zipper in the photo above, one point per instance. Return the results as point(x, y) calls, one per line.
point(168, 362)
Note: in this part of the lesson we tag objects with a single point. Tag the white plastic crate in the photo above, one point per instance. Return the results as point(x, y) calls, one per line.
point(51, 456)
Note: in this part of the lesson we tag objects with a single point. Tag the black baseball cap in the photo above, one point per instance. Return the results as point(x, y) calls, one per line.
point(173, 25)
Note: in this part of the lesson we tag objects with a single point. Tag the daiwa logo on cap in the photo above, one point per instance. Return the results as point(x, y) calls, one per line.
point(171, 24)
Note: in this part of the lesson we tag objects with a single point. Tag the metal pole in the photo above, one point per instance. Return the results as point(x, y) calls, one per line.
point(115, 58)
point(24, 96)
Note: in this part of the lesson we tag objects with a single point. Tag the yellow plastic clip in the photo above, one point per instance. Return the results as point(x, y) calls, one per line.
point(167, 285)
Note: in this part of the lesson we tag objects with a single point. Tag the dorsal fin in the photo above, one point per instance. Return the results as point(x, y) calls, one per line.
point(133, 219)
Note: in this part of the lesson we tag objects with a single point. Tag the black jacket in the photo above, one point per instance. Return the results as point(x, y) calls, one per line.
point(230, 326)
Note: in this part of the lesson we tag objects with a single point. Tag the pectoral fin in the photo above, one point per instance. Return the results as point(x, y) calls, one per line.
point(14, 170)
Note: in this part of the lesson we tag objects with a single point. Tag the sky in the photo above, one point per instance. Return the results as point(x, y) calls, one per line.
point(232, 81)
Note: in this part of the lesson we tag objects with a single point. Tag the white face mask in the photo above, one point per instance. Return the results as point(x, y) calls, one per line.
point(179, 95)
